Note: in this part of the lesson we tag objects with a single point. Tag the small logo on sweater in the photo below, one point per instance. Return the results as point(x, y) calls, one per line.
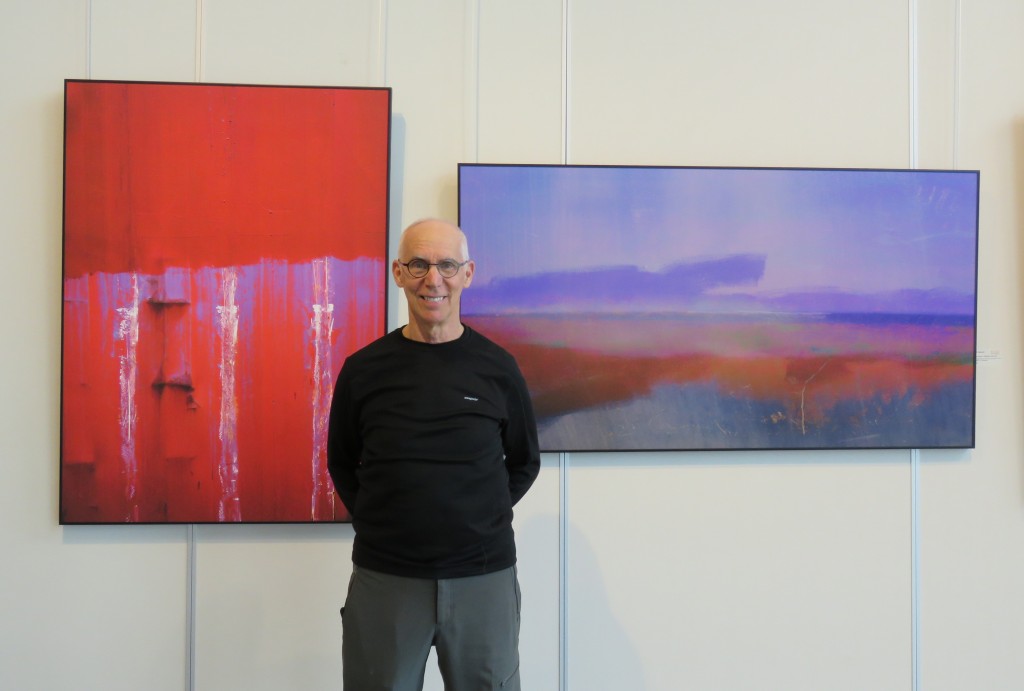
point(470, 398)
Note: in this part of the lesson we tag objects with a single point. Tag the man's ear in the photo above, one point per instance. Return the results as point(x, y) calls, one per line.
point(396, 272)
point(470, 269)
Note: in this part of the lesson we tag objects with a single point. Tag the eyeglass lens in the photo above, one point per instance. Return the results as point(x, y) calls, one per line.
point(419, 268)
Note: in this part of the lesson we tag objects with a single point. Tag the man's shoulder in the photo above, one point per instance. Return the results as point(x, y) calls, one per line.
point(485, 346)
point(378, 347)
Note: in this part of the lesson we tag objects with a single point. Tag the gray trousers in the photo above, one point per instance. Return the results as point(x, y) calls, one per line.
point(390, 623)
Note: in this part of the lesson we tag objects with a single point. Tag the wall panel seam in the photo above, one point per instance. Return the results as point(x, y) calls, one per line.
point(200, 39)
point(915, 454)
point(957, 46)
point(566, 78)
point(471, 127)
point(382, 42)
point(88, 39)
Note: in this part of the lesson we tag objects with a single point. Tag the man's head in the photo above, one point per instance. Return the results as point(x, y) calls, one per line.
point(439, 248)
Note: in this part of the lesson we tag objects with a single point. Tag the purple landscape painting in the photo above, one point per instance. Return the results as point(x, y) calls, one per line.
point(730, 308)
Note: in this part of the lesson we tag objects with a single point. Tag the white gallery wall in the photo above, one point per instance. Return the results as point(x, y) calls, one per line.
point(794, 571)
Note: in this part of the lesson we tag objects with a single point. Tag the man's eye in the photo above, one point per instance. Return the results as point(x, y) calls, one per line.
point(448, 267)
point(418, 265)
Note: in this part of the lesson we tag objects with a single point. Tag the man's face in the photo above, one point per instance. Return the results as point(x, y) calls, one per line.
point(433, 299)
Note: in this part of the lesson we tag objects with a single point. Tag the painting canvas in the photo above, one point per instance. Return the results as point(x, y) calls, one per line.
point(657, 308)
point(224, 250)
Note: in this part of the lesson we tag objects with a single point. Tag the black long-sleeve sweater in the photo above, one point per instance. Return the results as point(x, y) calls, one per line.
point(430, 446)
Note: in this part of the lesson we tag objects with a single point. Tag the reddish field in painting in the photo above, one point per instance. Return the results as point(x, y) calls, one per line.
point(795, 373)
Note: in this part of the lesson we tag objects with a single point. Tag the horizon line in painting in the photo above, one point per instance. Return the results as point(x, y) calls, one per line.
point(224, 251)
point(694, 308)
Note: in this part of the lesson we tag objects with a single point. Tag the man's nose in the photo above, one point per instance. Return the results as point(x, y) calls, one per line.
point(433, 275)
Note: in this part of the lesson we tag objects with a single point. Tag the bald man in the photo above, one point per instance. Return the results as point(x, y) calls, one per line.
point(432, 442)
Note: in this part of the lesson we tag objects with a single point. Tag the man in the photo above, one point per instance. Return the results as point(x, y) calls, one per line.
point(432, 441)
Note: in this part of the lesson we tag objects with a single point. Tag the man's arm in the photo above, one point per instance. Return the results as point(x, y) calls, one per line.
point(519, 438)
point(344, 445)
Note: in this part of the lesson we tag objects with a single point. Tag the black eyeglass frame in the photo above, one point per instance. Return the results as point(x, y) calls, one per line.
point(427, 265)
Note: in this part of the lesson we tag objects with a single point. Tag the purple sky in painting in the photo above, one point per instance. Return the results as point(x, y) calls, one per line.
point(720, 239)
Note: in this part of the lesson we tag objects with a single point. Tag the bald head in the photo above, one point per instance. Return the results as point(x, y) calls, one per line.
point(435, 228)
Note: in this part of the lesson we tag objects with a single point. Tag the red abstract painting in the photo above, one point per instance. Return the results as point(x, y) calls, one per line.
point(224, 251)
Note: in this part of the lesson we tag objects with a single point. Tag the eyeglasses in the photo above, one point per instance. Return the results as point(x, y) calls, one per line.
point(418, 268)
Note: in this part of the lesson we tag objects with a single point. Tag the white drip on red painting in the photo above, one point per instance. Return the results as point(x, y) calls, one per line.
point(228, 508)
point(322, 323)
point(128, 332)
